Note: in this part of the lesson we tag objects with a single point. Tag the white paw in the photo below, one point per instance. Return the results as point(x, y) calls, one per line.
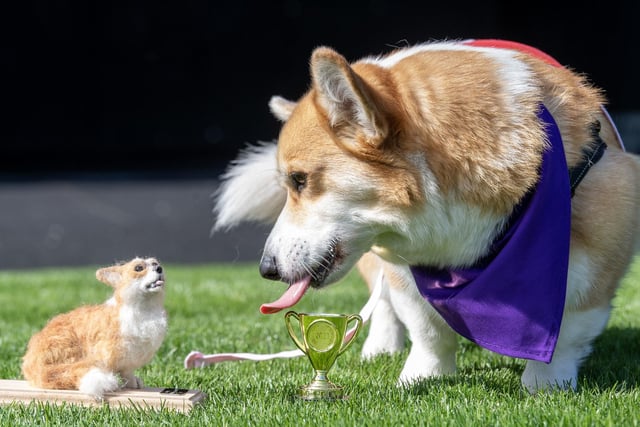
point(540, 377)
point(374, 346)
point(388, 341)
point(386, 333)
point(423, 366)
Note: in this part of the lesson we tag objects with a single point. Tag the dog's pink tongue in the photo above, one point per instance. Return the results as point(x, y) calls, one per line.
point(291, 296)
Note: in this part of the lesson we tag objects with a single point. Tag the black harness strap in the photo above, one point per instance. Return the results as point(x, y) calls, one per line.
point(590, 157)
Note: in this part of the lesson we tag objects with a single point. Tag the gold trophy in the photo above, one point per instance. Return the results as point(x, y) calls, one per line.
point(323, 340)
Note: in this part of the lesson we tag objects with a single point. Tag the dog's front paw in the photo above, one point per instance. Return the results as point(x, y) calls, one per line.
point(540, 377)
point(420, 366)
point(375, 346)
point(410, 375)
point(386, 333)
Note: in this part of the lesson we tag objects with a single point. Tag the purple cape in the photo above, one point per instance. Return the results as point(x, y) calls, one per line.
point(512, 301)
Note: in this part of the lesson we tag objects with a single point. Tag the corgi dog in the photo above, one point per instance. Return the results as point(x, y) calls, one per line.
point(96, 348)
point(484, 180)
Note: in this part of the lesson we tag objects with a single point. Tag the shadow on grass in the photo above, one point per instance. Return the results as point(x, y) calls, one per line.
point(615, 360)
point(613, 364)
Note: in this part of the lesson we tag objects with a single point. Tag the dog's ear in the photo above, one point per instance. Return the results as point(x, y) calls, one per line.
point(109, 275)
point(345, 96)
point(281, 108)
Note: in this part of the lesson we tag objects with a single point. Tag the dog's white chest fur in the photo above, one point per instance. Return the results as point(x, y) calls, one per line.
point(143, 332)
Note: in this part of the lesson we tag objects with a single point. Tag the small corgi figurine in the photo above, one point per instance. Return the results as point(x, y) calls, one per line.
point(96, 348)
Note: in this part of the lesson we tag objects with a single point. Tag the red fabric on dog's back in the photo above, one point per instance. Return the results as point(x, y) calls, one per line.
point(506, 44)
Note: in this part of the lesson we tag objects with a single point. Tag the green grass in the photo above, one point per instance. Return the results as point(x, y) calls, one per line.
point(214, 308)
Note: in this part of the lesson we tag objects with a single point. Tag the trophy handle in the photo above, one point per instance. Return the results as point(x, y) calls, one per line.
point(346, 344)
point(287, 321)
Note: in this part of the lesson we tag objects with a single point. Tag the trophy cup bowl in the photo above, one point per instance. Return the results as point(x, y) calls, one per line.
point(323, 340)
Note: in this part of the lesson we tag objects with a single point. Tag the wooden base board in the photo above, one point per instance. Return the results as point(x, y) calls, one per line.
point(181, 400)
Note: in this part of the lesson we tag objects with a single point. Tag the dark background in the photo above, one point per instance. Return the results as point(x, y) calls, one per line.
point(103, 86)
point(118, 117)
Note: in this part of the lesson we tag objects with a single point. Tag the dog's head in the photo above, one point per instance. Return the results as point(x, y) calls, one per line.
point(137, 280)
point(348, 180)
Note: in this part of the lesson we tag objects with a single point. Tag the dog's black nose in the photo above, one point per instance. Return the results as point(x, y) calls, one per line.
point(156, 267)
point(269, 268)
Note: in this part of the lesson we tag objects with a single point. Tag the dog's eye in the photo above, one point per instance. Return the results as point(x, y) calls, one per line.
point(298, 180)
point(138, 267)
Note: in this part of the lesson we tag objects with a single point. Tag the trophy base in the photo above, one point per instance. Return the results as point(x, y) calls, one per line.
point(321, 390)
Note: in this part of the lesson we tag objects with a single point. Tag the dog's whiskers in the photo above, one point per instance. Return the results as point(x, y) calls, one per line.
point(309, 270)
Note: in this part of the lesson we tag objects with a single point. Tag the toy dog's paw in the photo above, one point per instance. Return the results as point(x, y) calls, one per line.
point(131, 381)
point(137, 383)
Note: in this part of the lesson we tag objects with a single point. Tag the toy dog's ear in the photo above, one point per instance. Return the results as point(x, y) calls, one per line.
point(109, 275)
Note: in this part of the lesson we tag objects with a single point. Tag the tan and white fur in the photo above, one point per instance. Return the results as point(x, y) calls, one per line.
point(97, 348)
point(418, 157)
